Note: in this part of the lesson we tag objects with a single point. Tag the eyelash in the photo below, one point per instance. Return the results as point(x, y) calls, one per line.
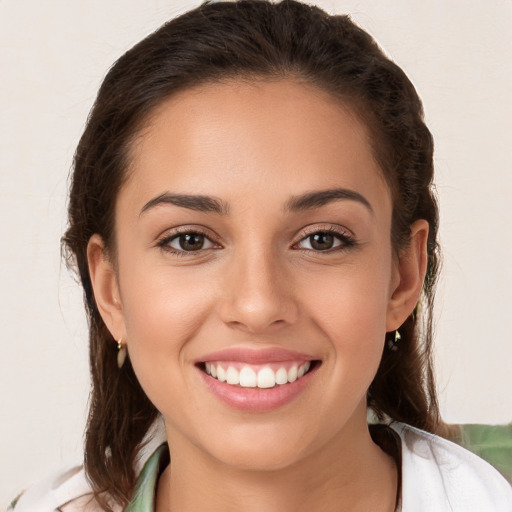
point(346, 240)
point(164, 243)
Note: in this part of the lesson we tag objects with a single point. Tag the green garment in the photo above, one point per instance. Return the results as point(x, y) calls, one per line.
point(143, 499)
point(492, 443)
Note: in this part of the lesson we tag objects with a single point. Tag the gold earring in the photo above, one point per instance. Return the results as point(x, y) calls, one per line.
point(393, 344)
point(121, 353)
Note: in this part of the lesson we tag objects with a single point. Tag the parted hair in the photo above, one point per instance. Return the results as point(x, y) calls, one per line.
point(247, 40)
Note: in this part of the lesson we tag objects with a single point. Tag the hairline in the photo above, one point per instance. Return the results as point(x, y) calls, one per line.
point(357, 109)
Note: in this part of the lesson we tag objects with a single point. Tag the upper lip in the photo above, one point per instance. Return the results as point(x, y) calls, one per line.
point(255, 356)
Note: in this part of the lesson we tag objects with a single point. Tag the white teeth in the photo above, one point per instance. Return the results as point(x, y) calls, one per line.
point(232, 376)
point(292, 374)
point(264, 378)
point(221, 374)
point(247, 377)
point(281, 376)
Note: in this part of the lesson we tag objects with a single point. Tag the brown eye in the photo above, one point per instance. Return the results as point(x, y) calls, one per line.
point(321, 241)
point(190, 242)
point(324, 241)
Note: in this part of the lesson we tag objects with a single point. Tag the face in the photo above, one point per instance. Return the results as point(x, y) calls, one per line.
point(255, 278)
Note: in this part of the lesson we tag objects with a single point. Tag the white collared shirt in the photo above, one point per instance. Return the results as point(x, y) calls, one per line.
point(437, 476)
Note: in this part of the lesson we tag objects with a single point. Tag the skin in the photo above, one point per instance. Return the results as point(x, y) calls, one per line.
point(260, 284)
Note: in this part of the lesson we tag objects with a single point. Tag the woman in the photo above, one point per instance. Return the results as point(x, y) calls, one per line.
point(252, 219)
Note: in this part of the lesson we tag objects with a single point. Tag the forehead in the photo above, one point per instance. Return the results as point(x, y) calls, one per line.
point(268, 137)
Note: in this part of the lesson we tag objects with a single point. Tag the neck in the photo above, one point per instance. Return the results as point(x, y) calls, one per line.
point(350, 473)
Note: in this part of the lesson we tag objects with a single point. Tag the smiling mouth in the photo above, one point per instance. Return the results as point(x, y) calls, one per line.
point(263, 376)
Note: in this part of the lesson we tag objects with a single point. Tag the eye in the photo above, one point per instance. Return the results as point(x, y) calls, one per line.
point(188, 242)
point(325, 240)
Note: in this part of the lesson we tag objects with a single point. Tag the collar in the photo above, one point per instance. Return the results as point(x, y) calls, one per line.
point(144, 494)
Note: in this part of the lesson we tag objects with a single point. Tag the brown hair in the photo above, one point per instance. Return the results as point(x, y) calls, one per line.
point(248, 39)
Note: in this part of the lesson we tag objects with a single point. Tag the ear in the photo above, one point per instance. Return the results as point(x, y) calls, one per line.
point(409, 272)
point(105, 287)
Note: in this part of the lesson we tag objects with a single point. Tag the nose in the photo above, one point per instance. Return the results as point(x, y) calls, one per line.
point(257, 294)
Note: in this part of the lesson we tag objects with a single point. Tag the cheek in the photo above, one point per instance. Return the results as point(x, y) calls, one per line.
point(349, 307)
point(160, 306)
point(351, 302)
point(163, 310)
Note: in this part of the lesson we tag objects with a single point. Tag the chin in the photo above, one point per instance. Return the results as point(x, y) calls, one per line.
point(259, 459)
point(258, 451)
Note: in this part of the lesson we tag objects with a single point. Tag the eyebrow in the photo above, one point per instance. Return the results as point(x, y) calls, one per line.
point(192, 202)
point(208, 204)
point(320, 198)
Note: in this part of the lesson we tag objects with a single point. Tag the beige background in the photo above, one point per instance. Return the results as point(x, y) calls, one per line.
point(53, 55)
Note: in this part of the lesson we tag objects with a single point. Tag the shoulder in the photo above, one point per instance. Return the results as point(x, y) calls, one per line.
point(65, 491)
point(442, 476)
point(70, 491)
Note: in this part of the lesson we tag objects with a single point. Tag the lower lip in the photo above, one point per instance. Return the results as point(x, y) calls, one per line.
point(256, 399)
